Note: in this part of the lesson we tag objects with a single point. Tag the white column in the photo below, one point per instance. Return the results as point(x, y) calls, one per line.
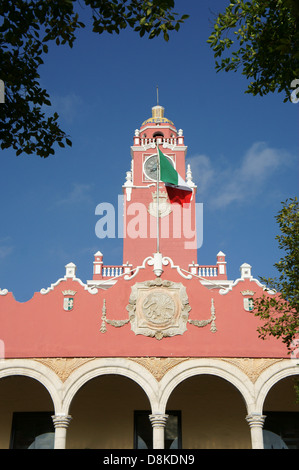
point(61, 423)
point(158, 421)
point(256, 422)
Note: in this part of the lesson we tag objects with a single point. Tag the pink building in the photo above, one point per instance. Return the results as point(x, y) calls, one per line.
point(158, 352)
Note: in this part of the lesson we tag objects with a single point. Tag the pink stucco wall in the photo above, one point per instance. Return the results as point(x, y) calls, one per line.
point(42, 328)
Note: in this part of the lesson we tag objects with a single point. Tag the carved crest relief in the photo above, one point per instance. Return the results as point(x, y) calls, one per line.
point(158, 308)
point(68, 299)
point(248, 304)
point(164, 205)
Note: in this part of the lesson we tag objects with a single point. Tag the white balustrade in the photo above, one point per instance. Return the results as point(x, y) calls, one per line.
point(207, 271)
point(112, 271)
point(171, 141)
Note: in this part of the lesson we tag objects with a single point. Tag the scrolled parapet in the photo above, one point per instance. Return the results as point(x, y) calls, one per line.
point(91, 289)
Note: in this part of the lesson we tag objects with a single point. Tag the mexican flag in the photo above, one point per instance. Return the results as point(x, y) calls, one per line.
point(177, 189)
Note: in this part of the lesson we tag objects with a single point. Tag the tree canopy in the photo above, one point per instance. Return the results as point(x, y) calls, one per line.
point(26, 29)
point(280, 313)
point(261, 38)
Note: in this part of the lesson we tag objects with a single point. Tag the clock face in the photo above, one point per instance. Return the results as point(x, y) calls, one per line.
point(151, 167)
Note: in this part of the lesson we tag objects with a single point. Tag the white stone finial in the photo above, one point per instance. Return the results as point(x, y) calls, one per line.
point(128, 178)
point(98, 253)
point(189, 175)
point(189, 179)
point(221, 254)
point(70, 270)
point(245, 271)
point(128, 185)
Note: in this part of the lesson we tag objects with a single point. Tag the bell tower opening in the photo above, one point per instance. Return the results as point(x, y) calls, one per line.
point(158, 134)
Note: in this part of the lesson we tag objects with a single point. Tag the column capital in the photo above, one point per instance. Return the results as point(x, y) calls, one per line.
point(61, 421)
point(256, 420)
point(158, 420)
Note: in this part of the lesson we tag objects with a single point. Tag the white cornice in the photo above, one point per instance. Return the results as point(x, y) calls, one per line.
point(158, 261)
point(144, 148)
point(216, 283)
point(101, 283)
point(90, 289)
point(251, 279)
point(162, 125)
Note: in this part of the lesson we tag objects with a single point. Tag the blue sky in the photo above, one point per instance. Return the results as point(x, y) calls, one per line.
point(243, 152)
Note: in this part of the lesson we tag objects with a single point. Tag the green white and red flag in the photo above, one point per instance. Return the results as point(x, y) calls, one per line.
point(177, 189)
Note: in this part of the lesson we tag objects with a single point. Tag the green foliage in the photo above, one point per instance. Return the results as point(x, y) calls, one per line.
point(26, 29)
point(280, 313)
point(261, 37)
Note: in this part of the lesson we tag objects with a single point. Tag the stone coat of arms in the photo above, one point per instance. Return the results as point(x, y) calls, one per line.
point(68, 299)
point(158, 308)
point(164, 205)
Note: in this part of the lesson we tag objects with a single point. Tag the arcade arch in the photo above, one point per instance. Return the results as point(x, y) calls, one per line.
point(28, 398)
point(193, 378)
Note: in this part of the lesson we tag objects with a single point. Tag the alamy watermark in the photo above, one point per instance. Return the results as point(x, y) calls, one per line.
point(186, 222)
point(295, 93)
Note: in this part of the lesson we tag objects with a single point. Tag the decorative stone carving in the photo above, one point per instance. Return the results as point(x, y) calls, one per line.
point(256, 420)
point(68, 299)
point(61, 421)
point(158, 261)
point(164, 205)
point(247, 292)
point(69, 292)
point(212, 320)
point(164, 313)
point(63, 366)
point(158, 308)
point(158, 420)
point(115, 323)
point(158, 366)
point(252, 367)
point(248, 304)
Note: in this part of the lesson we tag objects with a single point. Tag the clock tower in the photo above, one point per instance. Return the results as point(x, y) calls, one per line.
point(176, 226)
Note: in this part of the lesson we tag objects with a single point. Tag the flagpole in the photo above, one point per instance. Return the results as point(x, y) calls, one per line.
point(158, 180)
